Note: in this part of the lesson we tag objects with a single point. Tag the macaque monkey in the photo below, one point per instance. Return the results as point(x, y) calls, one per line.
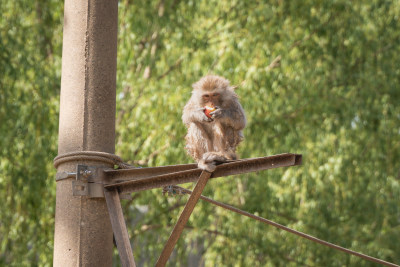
point(214, 119)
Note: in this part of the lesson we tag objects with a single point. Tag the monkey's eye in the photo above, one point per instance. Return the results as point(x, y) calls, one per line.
point(215, 94)
point(206, 96)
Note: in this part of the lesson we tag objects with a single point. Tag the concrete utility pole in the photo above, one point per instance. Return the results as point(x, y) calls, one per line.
point(83, 234)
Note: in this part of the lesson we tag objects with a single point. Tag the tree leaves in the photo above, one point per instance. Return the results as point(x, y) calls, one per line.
point(333, 96)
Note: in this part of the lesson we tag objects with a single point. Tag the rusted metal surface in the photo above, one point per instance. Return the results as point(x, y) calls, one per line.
point(80, 186)
point(183, 218)
point(88, 181)
point(123, 175)
point(146, 181)
point(119, 227)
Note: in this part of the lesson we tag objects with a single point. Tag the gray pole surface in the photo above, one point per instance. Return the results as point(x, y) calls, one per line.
point(83, 234)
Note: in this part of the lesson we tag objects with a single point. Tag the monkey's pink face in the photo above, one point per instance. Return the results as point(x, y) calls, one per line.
point(211, 99)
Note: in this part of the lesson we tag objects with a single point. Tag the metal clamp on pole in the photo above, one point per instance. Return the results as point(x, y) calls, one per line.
point(87, 179)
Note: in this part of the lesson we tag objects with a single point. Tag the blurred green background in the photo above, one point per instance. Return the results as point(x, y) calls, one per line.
point(320, 78)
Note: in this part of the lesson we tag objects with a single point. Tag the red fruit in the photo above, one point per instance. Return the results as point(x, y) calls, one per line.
point(208, 110)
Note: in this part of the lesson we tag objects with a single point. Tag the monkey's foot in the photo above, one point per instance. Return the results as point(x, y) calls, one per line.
point(210, 159)
point(214, 156)
point(208, 166)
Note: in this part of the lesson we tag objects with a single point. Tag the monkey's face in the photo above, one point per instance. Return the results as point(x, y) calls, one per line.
point(213, 91)
point(211, 99)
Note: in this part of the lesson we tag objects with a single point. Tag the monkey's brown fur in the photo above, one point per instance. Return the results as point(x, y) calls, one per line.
point(213, 139)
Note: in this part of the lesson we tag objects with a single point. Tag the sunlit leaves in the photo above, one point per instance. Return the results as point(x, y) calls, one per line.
point(30, 39)
point(332, 95)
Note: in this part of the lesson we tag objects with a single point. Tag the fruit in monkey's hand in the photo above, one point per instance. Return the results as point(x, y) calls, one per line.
point(208, 110)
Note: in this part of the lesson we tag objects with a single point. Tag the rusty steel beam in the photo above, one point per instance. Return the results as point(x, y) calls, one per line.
point(119, 228)
point(183, 219)
point(124, 175)
point(133, 183)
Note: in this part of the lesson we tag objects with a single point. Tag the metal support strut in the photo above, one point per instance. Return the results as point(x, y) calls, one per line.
point(131, 180)
point(180, 225)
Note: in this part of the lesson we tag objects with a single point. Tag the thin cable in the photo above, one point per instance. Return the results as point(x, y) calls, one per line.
point(309, 237)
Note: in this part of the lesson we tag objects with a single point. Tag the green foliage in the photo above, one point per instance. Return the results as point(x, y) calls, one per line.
point(30, 56)
point(319, 78)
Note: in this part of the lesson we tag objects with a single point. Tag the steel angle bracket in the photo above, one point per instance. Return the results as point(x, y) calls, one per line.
point(84, 175)
point(80, 188)
point(133, 180)
point(90, 182)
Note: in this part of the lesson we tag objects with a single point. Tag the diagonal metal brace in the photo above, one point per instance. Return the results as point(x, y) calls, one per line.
point(183, 219)
point(119, 227)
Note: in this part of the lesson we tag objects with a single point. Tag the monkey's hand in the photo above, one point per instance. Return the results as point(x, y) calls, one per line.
point(217, 113)
point(202, 117)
